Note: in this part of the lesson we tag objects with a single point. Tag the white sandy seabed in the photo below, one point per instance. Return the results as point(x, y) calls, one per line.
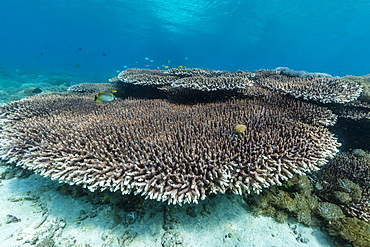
point(35, 213)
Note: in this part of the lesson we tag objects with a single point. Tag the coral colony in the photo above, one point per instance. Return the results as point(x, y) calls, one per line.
point(174, 141)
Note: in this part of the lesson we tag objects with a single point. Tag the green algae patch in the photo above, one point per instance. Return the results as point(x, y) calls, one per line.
point(296, 199)
point(292, 199)
point(330, 211)
point(353, 230)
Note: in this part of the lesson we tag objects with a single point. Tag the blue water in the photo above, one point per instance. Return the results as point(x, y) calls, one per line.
point(94, 38)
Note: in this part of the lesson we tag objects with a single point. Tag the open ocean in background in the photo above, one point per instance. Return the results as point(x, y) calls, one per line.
point(75, 136)
point(92, 39)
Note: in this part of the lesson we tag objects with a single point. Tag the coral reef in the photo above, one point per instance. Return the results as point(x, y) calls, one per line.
point(345, 180)
point(204, 85)
point(295, 198)
point(206, 73)
point(318, 87)
point(144, 77)
point(325, 90)
point(339, 195)
point(212, 83)
point(292, 198)
point(355, 231)
point(360, 108)
point(15, 86)
point(365, 82)
point(300, 73)
point(252, 134)
point(93, 88)
point(292, 108)
point(303, 85)
point(168, 152)
point(354, 113)
point(196, 79)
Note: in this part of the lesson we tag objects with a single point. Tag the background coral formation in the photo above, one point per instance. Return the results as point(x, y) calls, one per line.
point(202, 85)
point(93, 88)
point(312, 87)
point(325, 90)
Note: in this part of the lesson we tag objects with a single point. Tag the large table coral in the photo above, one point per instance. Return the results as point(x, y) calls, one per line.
point(164, 151)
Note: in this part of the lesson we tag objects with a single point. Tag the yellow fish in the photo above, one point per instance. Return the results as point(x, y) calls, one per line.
point(238, 129)
point(104, 97)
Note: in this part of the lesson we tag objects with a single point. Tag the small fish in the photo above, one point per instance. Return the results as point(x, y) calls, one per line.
point(165, 66)
point(78, 66)
point(181, 67)
point(105, 97)
point(238, 129)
